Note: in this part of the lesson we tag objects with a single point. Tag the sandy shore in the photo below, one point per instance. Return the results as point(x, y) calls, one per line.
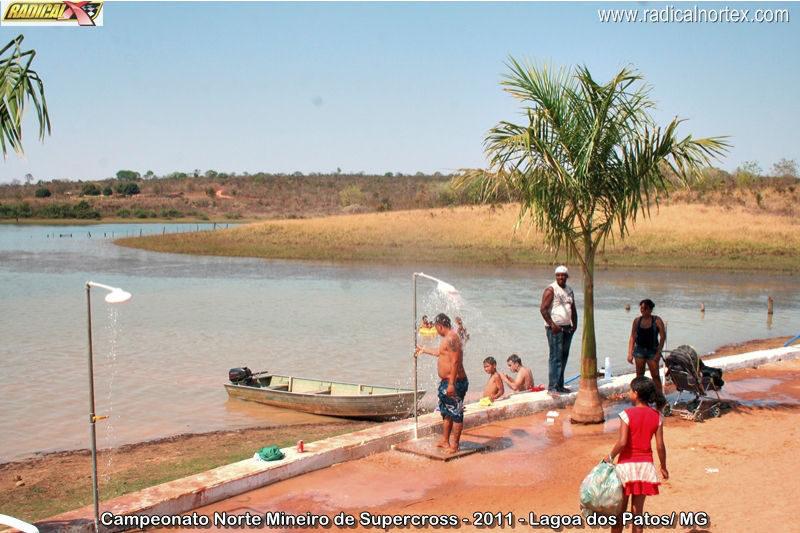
point(740, 470)
point(716, 466)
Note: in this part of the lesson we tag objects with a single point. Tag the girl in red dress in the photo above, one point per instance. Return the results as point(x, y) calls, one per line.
point(635, 464)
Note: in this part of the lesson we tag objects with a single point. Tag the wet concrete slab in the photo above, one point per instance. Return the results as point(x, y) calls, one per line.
point(427, 448)
point(186, 494)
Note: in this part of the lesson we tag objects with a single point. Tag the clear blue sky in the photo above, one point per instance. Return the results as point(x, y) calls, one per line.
point(375, 87)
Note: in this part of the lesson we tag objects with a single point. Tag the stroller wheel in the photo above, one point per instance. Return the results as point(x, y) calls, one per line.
point(714, 412)
point(698, 417)
point(666, 410)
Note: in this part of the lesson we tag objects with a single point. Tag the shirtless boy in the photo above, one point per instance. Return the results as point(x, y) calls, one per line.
point(494, 387)
point(524, 380)
point(454, 384)
point(425, 324)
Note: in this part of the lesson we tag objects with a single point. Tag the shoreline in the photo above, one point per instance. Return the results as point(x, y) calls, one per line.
point(683, 236)
point(725, 349)
point(48, 484)
point(676, 237)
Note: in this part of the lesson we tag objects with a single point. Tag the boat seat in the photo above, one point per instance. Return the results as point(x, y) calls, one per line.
point(319, 391)
point(285, 387)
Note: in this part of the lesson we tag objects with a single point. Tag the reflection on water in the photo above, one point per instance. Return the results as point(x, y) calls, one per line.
point(193, 318)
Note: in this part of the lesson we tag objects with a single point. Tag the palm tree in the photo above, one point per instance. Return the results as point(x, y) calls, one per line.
point(18, 85)
point(588, 161)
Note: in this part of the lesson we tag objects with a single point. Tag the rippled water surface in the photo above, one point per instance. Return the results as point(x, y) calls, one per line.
point(162, 358)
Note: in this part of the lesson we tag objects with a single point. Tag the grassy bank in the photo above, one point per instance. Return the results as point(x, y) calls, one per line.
point(676, 236)
point(51, 484)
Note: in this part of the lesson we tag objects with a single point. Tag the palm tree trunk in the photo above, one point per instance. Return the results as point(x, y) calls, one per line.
point(588, 409)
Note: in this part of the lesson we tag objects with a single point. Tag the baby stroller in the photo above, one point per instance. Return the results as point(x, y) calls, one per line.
point(690, 374)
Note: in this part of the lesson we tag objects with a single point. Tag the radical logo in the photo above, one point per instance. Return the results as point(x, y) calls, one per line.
point(64, 13)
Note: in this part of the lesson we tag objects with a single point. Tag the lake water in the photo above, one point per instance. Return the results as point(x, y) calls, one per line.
point(162, 358)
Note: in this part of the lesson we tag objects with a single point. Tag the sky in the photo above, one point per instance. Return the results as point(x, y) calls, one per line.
point(377, 87)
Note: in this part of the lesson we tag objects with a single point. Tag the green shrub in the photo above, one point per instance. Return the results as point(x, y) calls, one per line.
point(351, 195)
point(83, 210)
point(58, 211)
point(171, 213)
point(16, 210)
point(42, 192)
point(123, 213)
point(90, 189)
point(107, 191)
point(140, 213)
point(128, 188)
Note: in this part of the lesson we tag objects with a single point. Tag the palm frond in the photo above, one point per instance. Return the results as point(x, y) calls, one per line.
point(19, 85)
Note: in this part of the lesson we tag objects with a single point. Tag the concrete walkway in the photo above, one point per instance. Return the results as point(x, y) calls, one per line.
point(183, 495)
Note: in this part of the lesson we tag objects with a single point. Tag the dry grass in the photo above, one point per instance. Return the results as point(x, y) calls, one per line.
point(677, 235)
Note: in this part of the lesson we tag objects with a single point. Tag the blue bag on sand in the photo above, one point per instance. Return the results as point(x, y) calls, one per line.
point(601, 491)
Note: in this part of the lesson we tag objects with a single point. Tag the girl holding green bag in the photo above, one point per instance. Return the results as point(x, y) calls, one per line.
point(635, 464)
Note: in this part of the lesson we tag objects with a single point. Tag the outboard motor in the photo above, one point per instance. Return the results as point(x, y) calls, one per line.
point(239, 374)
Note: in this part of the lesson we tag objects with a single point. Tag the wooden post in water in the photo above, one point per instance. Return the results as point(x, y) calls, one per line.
point(769, 305)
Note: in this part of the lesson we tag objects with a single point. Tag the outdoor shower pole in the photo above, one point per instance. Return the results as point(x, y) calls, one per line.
point(92, 418)
point(115, 296)
point(416, 354)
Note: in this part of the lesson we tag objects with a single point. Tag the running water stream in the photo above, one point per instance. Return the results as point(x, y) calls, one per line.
point(110, 440)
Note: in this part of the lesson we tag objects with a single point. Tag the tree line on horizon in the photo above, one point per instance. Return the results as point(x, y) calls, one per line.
point(322, 194)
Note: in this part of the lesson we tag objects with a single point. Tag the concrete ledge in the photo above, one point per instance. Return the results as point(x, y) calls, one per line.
point(621, 384)
point(183, 495)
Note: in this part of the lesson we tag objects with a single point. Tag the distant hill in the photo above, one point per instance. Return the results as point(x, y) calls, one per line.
point(219, 197)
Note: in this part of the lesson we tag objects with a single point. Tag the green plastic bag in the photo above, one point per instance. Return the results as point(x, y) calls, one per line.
point(270, 453)
point(601, 491)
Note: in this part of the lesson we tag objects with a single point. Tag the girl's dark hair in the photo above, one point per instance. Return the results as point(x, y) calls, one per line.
point(491, 360)
point(646, 390)
point(648, 302)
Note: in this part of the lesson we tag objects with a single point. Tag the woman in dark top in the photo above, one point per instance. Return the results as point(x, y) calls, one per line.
point(648, 335)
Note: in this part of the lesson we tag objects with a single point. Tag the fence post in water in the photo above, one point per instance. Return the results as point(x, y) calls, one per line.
point(769, 305)
point(702, 307)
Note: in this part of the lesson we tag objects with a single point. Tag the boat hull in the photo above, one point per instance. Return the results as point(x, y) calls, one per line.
point(328, 398)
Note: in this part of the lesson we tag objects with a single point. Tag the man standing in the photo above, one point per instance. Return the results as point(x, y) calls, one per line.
point(561, 320)
point(454, 384)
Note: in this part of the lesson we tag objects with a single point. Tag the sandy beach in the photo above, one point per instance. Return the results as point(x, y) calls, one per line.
point(720, 470)
point(717, 467)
